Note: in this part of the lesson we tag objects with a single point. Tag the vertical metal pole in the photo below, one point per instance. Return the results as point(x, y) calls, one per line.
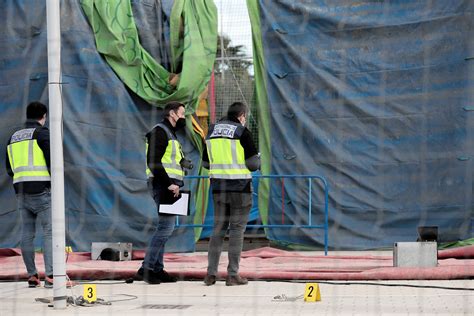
point(310, 202)
point(466, 227)
point(201, 181)
point(57, 163)
point(326, 224)
point(222, 46)
point(283, 200)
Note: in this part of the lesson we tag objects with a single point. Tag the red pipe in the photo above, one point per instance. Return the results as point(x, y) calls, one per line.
point(212, 98)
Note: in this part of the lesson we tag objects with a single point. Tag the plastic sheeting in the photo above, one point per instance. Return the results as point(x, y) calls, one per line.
point(192, 53)
point(376, 96)
point(104, 124)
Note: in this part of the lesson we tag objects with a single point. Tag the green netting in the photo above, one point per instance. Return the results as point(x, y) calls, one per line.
point(193, 36)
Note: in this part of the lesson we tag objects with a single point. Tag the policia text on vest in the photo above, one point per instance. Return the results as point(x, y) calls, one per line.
point(26, 157)
point(226, 154)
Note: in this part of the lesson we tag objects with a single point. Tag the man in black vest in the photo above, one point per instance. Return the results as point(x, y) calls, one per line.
point(165, 177)
point(28, 163)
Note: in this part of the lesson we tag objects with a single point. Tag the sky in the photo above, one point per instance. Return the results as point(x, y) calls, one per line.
point(234, 21)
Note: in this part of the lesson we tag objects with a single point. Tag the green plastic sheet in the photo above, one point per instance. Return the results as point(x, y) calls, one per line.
point(262, 108)
point(193, 36)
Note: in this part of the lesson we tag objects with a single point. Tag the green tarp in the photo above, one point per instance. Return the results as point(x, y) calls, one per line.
point(193, 40)
point(193, 36)
point(262, 108)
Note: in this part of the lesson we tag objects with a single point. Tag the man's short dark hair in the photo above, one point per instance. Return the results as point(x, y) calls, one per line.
point(171, 106)
point(235, 110)
point(36, 110)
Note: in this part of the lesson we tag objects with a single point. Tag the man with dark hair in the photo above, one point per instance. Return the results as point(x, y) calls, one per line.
point(28, 163)
point(230, 157)
point(165, 177)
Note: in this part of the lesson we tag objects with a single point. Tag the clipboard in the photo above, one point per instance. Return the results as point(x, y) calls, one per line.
point(180, 207)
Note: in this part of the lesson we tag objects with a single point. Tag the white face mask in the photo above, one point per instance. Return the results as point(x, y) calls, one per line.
point(243, 120)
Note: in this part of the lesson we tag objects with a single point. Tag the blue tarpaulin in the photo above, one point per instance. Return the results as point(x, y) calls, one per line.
point(104, 123)
point(376, 96)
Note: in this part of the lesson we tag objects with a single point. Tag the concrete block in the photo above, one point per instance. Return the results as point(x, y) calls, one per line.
point(415, 254)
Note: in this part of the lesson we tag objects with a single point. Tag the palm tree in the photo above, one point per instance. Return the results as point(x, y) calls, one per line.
point(232, 58)
point(234, 80)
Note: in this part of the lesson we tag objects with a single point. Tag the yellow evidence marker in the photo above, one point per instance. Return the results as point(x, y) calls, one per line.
point(312, 293)
point(90, 293)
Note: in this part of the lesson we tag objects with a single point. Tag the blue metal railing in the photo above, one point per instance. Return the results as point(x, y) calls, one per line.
point(310, 201)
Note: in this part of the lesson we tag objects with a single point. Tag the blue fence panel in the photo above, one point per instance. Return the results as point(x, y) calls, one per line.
point(310, 225)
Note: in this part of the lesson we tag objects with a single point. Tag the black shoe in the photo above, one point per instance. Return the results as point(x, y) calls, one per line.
point(210, 280)
point(150, 277)
point(164, 277)
point(232, 280)
point(34, 281)
point(139, 275)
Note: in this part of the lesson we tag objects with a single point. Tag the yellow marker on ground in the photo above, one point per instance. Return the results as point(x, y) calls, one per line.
point(90, 293)
point(312, 293)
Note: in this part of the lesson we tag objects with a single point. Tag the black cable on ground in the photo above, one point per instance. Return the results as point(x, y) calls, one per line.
point(130, 280)
point(382, 284)
point(130, 297)
point(80, 301)
point(105, 282)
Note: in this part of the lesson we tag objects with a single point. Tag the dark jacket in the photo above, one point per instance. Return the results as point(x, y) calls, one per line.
point(157, 142)
point(252, 162)
point(41, 135)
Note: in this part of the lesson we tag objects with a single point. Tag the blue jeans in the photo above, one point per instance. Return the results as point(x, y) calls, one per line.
point(156, 247)
point(36, 208)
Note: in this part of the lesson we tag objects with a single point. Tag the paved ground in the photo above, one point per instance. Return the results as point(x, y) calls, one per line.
point(256, 298)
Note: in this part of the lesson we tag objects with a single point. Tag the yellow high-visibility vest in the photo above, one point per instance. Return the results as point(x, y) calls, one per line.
point(172, 156)
point(26, 157)
point(226, 154)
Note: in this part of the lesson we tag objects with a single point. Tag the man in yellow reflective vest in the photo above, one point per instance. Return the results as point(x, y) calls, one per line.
point(28, 163)
point(230, 157)
point(165, 177)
